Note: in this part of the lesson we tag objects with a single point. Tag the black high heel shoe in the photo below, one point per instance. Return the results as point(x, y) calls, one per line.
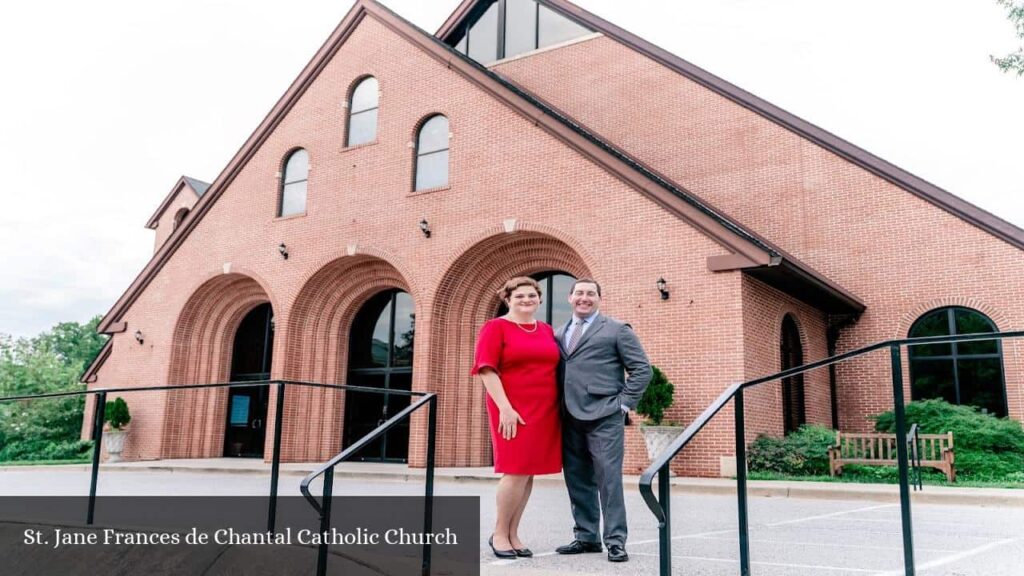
point(504, 554)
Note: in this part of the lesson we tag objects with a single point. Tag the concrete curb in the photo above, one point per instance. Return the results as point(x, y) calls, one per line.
point(693, 486)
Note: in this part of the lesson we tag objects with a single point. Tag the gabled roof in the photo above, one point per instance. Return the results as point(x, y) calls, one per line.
point(197, 186)
point(748, 250)
point(89, 376)
point(858, 156)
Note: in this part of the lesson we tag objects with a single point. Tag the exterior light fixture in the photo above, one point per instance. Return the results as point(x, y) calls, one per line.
point(425, 227)
point(283, 250)
point(138, 337)
point(662, 287)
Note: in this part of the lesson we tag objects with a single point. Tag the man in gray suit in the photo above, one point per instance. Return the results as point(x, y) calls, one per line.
point(597, 351)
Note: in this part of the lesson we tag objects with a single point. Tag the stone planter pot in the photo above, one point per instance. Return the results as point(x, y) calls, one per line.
point(113, 441)
point(657, 438)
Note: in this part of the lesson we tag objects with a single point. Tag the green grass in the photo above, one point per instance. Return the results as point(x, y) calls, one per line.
point(4, 463)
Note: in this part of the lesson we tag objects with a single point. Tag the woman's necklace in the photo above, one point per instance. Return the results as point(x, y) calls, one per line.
point(535, 325)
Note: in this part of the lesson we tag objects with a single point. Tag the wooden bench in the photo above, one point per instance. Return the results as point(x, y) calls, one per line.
point(875, 449)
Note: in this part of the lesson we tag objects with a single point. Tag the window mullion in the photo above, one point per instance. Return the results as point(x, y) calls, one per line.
point(501, 29)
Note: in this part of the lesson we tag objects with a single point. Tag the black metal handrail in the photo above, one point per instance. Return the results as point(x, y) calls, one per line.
point(323, 508)
point(101, 400)
point(913, 437)
point(659, 505)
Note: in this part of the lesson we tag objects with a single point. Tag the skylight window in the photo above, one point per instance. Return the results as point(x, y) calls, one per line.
point(506, 28)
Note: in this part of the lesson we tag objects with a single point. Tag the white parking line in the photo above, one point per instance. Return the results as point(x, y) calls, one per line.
point(754, 563)
point(952, 558)
point(832, 515)
point(822, 544)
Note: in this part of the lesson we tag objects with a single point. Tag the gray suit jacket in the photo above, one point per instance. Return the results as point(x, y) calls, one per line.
point(593, 378)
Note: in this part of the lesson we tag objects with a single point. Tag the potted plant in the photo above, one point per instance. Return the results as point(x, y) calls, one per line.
point(658, 397)
point(116, 419)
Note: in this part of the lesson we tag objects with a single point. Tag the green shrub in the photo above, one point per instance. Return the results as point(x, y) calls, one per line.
point(657, 397)
point(803, 453)
point(986, 447)
point(116, 413)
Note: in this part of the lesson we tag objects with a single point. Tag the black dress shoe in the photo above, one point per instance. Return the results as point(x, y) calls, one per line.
point(579, 547)
point(617, 553)
point(506, 554)
point(523, 552)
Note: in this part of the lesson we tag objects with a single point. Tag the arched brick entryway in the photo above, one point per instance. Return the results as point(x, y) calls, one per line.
point(466, 298)
point(201, 354)
point(316, 350)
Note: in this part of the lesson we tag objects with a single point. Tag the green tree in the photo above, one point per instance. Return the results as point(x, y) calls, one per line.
point(1013, 61)
point(45, 429)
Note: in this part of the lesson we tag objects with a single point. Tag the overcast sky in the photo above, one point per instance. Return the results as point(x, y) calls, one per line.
point(105, 104)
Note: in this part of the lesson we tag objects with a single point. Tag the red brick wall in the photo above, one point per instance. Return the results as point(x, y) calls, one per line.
point(519, 201)
point(763, 311)
point(901, 255)
point(184, 199)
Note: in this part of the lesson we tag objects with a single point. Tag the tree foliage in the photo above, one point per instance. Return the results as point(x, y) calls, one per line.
point(45, 429)
point(1014, 61)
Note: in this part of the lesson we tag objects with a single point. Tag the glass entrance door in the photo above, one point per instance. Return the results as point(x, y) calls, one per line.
point(246, 427)
point(380, 356)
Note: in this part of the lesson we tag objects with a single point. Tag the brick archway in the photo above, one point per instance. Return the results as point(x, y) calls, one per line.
point(466, 298)
point(201, 354)
point(316, 350)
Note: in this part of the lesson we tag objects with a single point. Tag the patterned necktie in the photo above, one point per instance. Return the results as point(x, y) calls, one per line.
point(575, 338)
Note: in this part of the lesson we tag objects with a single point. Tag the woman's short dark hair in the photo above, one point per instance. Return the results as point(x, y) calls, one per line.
point(518, 282)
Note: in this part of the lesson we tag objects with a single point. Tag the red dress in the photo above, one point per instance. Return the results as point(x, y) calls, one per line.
point(526, 363)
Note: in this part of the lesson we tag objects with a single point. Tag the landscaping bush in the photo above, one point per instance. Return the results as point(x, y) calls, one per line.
point(986, 447)
point(656, 398)
point(802, 453)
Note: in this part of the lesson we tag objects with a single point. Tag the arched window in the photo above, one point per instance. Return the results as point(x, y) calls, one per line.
point(794, 413)
point(362, 112)
point(293, 184)
point(959, 373)
point(432, 154)
point(179, 217)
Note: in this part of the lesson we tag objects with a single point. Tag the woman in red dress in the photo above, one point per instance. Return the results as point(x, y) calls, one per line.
point(516, 357)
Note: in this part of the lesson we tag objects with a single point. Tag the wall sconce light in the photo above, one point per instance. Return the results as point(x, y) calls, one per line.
point(425, 227)
point(283, 250)
point(138, 337)
point(663, 288)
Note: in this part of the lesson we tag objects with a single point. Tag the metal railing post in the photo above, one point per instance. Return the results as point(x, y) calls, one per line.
point(901, 450)
point(428, 502)
point(275, 463)
point(741, 484)
point(665, 528)
point(97, 437)
point(325, 522)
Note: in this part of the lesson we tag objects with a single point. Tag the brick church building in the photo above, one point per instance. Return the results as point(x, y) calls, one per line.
point(360, 233)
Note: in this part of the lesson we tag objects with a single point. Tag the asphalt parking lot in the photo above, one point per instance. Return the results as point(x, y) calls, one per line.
point(788, 536)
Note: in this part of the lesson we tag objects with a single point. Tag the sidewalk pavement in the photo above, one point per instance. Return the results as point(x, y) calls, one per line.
point(680, 485)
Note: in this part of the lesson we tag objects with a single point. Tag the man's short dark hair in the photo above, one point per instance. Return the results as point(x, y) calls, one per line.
point(586, 281)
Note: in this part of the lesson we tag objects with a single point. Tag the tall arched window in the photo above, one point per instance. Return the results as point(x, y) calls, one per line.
point(293, 184)
point(362, 112)
point(432, 153)
point(959, 373)
point(794, 413)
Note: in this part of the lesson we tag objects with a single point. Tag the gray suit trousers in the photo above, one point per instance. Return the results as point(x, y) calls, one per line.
point(592, 452)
